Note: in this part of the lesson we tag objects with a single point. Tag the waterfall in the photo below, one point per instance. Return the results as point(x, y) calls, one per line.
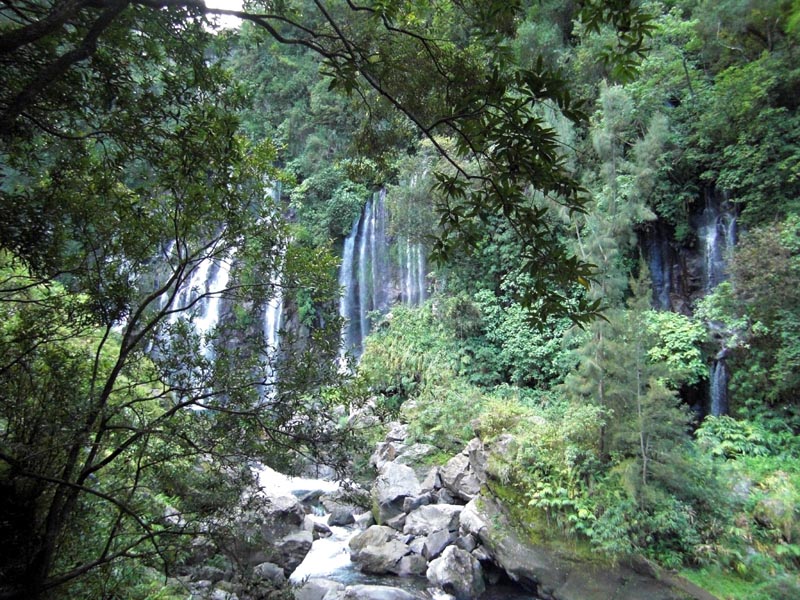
point(348, 298)
point(273, 318)
point(413, 277)
point(716, 233)
point(199, 299)
point(659, 261)
point(364, 256)
point(719, 388)
point(369, 280)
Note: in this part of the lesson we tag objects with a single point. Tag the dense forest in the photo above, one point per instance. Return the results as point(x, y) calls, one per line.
point(571, 229)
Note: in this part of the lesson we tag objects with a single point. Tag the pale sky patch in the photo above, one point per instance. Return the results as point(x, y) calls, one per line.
point(226, 22)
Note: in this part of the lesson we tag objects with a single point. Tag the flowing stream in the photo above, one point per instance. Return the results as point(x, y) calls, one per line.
point(329, 558)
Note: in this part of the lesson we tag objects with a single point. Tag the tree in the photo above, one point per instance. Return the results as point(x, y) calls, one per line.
point(466, 86)
point(121, 180)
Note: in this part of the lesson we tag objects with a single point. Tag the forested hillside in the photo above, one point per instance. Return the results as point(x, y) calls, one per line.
point(571, 229)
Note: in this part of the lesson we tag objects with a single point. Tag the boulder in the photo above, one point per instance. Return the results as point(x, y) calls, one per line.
point(377, 592)
point(458, 573)
point(378, 550)
point(436, 542)
point(372, 536)
point(432, 481)
point(412, 564)
point(411, 504)
point(291, 550)
point(415, 456)
point(317, 529)
point(364, 520)
point(433, 517)
point(341, 516)
point(398, 432)
point(458, 477)
point(397, 523)
point(467, 542)
point(554, 574)
point(317, 589)
point(270, 572)
point(394, 484)
point(385, 452)
point(248, 537)
point(382, 559)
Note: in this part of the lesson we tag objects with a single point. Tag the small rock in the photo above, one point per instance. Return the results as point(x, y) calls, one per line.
point(433, 517)
point(436, 542)
point(410, 504)
point(270, 572)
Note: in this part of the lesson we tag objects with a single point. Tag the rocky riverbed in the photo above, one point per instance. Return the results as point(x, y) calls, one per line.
point(425, 533)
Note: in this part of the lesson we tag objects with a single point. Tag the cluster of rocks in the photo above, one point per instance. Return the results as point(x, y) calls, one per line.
point(443, 524)
point(251, 554)
point(418, 530)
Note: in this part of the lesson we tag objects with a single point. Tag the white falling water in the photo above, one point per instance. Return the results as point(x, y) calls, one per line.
point(365, 243)
point(369, 280)
point(273, 320)
point(200, 298)
point(717, 235)
point(348, 298)
point(719, 388)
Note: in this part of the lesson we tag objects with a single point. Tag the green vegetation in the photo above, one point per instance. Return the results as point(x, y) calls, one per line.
point(536, 146)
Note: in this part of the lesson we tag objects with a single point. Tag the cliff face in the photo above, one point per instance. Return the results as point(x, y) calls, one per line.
point(684, 270)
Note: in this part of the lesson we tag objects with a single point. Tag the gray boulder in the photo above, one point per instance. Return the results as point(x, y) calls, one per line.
point(377, 592)
point(554, 574)
point(385, 452)
point(271, 573)
point(318, 589)
point(410, 504)
point(382, 559)
point(372, 536)
point(378, 550)
point(248, 537)
point(432, 480)
point(459, 478)
point(436, 542)
point(317, 529)
point(458, 573)
point(398, 432)
point(341, 516)
point(433, 517)
point(412, 564)
point(394, 484)
point(291, 550)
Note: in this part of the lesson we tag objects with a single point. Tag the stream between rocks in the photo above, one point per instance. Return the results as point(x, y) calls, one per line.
point(329, 557)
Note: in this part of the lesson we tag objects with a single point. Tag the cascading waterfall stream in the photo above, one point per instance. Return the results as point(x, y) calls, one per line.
point(719, 388)
point(716, 233)
point(369, 280)
point(273, 319)
point(200, 298)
